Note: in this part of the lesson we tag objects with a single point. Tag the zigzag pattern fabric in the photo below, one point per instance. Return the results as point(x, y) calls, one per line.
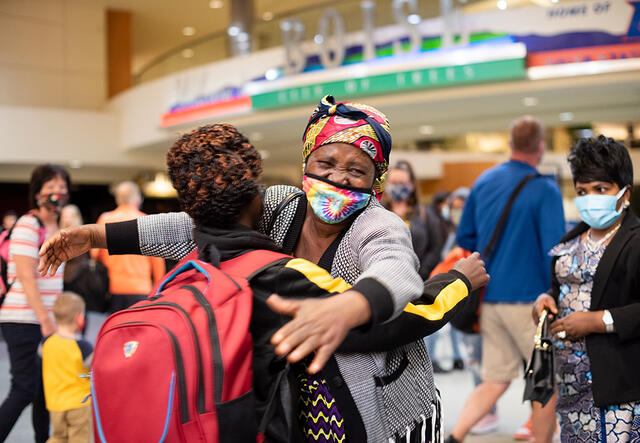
point(319, 416)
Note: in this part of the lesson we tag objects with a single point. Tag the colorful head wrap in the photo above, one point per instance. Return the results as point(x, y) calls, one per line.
point(355, 124)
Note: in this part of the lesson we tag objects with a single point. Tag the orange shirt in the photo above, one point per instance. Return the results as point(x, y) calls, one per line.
point(450, 260)
point(128, 274)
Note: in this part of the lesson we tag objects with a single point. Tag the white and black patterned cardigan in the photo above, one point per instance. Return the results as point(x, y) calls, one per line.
point(393, 391)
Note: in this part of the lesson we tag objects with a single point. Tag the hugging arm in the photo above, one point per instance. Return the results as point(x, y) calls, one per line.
point(442, 297)
point(161, 235)
point(389, 277)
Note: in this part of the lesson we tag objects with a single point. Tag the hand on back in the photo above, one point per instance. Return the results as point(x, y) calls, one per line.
point(318, 325)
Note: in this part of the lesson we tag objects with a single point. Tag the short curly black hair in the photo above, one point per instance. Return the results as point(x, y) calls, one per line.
point(216, 171)
point(601, 159)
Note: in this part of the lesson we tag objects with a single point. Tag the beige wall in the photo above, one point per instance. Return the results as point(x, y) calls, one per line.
point(52, 53)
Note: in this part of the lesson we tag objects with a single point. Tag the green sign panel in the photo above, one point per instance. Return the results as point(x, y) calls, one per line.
point(437, 77)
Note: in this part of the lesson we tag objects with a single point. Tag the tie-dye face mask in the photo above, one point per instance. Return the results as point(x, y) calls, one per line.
point(331, 202)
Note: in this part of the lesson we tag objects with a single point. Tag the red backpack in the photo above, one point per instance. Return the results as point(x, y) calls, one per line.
point(177, 366)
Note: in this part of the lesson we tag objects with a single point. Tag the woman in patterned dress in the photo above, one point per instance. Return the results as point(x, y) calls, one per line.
point(596, 301)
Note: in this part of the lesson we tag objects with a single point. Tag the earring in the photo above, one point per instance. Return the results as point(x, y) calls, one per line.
point(626, 204)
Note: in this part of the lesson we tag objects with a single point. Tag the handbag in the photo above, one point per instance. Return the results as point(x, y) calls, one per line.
point(467, 317)
point(90, 279)
point(539, 376)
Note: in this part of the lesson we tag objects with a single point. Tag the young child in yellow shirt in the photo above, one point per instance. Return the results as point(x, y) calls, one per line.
point(64, 360)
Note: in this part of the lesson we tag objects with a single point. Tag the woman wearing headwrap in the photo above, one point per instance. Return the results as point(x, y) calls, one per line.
point(337, 224)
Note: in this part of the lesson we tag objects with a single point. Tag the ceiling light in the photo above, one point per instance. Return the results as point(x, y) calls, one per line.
point(188, 31)
point(554, 1)
point(530, 101)
point(318, 38)
point(159, 187)
point(233, 31)
point(216, 4)
point(267, 16)
point(264, 154)
point(502, 5)
point(426, 129)
point(285, 25)
point(187, 53)
point(271, 74)
point(414, 19)
point(565, 116)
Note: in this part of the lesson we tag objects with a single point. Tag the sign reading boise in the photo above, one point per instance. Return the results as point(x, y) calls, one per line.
point(332, 45)
point(417, 54)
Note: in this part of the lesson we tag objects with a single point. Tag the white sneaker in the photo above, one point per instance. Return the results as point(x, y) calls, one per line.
point(488, 423)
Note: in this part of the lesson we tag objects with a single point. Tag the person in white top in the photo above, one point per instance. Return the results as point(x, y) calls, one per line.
point(25, 315)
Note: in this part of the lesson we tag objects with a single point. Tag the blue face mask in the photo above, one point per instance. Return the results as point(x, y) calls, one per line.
point(446, 212)
point(398, 193)
point(599, 211)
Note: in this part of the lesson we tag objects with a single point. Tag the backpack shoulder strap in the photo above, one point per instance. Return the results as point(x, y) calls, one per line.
point(251, 263)
point(488, 250)
point(42, 231)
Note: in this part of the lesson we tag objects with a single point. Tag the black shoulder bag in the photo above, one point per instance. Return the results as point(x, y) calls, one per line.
point(466, 319)
point(539, 375)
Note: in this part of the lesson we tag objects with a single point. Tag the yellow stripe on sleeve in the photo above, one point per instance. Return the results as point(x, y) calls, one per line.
point(318, 276)
point(447, 299)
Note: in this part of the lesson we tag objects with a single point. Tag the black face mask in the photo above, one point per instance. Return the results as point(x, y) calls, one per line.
point(53, 202)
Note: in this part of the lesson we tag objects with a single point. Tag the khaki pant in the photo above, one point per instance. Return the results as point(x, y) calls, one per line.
point(507, 331)
point(72, 426)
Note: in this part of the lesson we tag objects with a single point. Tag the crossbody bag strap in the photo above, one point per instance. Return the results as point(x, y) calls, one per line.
point(283, 204)
point(495, 237)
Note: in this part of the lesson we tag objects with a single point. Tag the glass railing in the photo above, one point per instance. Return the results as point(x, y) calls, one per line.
point(268, 34)
point(210, 48)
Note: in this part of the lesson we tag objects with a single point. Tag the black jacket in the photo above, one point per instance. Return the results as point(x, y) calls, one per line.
point(292, 278)
point(440, 300)
point(615, 358)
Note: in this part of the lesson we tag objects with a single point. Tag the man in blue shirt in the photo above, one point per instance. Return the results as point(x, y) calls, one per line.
point(519, 267)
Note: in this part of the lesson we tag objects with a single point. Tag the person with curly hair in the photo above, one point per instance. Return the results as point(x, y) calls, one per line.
point(216, 173)
point(595, 301)
point(379, 385)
